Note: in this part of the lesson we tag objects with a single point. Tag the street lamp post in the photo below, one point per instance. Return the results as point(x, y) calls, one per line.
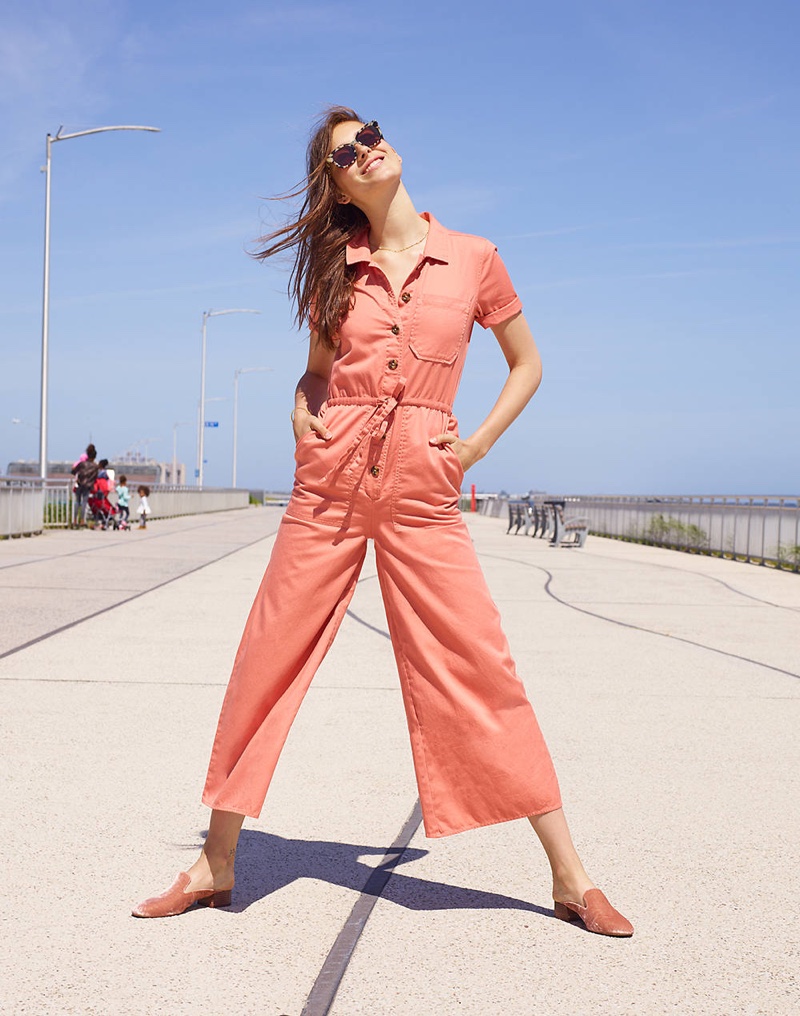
point(236, 373)
point(201, 409)
point(181, 423)
point(58, 136)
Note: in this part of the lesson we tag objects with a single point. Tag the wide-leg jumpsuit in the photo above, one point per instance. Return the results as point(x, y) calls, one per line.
point(478, 752)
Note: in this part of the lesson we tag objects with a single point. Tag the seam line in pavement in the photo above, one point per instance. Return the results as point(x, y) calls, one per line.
point(637, 627)
point(108, 546)
point(129, 599)
point(705, 575)
point(323, 992)
point(360, 620)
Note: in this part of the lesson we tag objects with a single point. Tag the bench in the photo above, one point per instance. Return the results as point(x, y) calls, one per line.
point(519, 516)
point(543, 520)
point(568, 532)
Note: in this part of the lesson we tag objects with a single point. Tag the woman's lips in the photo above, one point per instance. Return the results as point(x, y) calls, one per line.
point(372, 164)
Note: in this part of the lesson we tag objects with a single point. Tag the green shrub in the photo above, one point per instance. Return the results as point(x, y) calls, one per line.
point(671, 530)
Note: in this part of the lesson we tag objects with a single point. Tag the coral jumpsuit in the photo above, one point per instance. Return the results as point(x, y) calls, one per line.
point(479, 755)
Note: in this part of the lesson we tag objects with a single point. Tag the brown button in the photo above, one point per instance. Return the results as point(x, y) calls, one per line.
point(375, 470)
point(405, 297)
point(393, 365)
point(395, 329)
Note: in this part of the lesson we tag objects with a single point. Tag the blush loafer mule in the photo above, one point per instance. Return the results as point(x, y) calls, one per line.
point(597, 915)
point(176, 900)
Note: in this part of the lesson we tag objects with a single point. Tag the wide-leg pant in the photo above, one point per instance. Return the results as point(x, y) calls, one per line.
point(478, 752)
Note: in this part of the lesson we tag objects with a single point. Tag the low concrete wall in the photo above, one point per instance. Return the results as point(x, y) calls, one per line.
point(21, 510)
point(169, 502)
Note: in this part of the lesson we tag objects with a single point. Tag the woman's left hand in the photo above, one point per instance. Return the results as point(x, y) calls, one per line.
point(467, 454)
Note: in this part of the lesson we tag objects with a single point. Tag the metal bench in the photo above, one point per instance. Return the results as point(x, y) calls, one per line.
point(568, 532)
point(519, 516)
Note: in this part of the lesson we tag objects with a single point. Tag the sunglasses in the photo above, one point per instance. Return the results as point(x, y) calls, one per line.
point(345, 155)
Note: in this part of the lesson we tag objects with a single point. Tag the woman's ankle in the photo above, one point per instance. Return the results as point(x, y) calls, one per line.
point(571, 885)
point(220, 862)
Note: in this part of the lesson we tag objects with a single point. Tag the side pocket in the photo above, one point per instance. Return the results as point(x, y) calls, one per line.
point(304, 440)
point(459, 469)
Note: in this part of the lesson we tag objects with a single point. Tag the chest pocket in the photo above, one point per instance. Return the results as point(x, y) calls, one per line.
point(440, 325)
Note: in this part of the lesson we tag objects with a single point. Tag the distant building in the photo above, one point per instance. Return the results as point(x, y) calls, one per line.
point(136, 468)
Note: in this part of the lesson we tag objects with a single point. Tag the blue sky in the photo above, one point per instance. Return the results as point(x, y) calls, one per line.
point(636, 162)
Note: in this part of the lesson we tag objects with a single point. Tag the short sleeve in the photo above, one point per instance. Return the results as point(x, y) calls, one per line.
point(497, 300)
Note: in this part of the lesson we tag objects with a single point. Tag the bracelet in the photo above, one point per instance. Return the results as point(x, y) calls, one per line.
point(296, 408)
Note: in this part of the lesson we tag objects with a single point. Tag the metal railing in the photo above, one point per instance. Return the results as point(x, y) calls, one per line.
point(27, 506)
point(21, 508)
point(756, 528)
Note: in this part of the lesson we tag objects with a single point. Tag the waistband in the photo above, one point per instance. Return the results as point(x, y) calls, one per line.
point(378, 420)
point(379, 400)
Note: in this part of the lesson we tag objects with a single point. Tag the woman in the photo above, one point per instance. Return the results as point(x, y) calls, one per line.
point(390, 297)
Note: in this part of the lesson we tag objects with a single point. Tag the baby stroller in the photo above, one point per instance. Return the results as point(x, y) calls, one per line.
point(104, 513)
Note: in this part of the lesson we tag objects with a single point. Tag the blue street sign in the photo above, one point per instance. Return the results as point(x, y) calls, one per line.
point(212, 423)
point(197, 472)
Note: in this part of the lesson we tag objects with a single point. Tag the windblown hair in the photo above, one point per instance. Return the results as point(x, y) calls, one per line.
point(320, 283)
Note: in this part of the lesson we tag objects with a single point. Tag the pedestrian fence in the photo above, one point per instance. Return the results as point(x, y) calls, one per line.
point(29, 506)
point(21, 509)
point(759, 529)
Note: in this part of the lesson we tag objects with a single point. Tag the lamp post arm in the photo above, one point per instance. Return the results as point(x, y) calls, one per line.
point(58, 136)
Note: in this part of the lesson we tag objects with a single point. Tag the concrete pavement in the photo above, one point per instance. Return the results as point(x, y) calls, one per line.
point(666, 684)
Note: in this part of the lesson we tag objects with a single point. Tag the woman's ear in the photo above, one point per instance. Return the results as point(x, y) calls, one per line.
point(342, 199)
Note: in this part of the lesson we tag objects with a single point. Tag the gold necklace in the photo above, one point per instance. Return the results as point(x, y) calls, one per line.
point(399, 250)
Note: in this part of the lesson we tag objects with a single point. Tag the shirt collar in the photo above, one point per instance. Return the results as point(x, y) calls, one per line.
point(437, 244)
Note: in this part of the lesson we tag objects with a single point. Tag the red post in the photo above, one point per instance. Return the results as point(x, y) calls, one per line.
point(473, 504)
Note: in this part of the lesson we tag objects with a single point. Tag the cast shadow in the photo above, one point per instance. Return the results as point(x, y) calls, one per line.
point(266, 863)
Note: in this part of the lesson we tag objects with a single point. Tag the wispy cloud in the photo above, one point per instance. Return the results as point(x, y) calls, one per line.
point(680, 125)
point(543, 233)
point(584, 280)
point(48, 54)
point(319, 18)
point(718, 244)
point(458, 200)
point(107, 295)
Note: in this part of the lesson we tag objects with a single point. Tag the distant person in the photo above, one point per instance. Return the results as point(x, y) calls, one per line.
point(390, 297)
point(143, 508)
point(123, 501)
point(85, 472)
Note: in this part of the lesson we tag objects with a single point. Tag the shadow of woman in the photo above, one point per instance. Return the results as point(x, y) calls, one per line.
point(266, 863)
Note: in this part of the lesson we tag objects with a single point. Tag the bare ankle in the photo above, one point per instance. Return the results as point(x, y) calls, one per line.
point(219, 860)
point(571, 885)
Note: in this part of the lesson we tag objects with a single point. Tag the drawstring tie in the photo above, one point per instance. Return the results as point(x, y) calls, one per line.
point(375, 425)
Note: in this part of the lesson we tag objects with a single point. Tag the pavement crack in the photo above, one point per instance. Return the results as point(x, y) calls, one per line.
point(638, 627)
point(130, 599)
point(323, 991)
point(711, 578)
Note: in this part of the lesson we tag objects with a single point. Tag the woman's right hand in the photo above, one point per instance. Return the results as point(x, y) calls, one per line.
point(304, 422)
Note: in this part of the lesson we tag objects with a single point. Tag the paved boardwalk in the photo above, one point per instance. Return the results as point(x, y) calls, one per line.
point(667, 686)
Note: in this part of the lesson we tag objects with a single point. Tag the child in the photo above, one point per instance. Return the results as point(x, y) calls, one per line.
point(123, 501)
point(144, 507)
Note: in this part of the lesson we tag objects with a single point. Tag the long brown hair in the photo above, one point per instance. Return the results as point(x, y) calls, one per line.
point(320, 282)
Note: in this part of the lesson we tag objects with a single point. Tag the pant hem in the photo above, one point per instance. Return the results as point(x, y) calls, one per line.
point(440, 834)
